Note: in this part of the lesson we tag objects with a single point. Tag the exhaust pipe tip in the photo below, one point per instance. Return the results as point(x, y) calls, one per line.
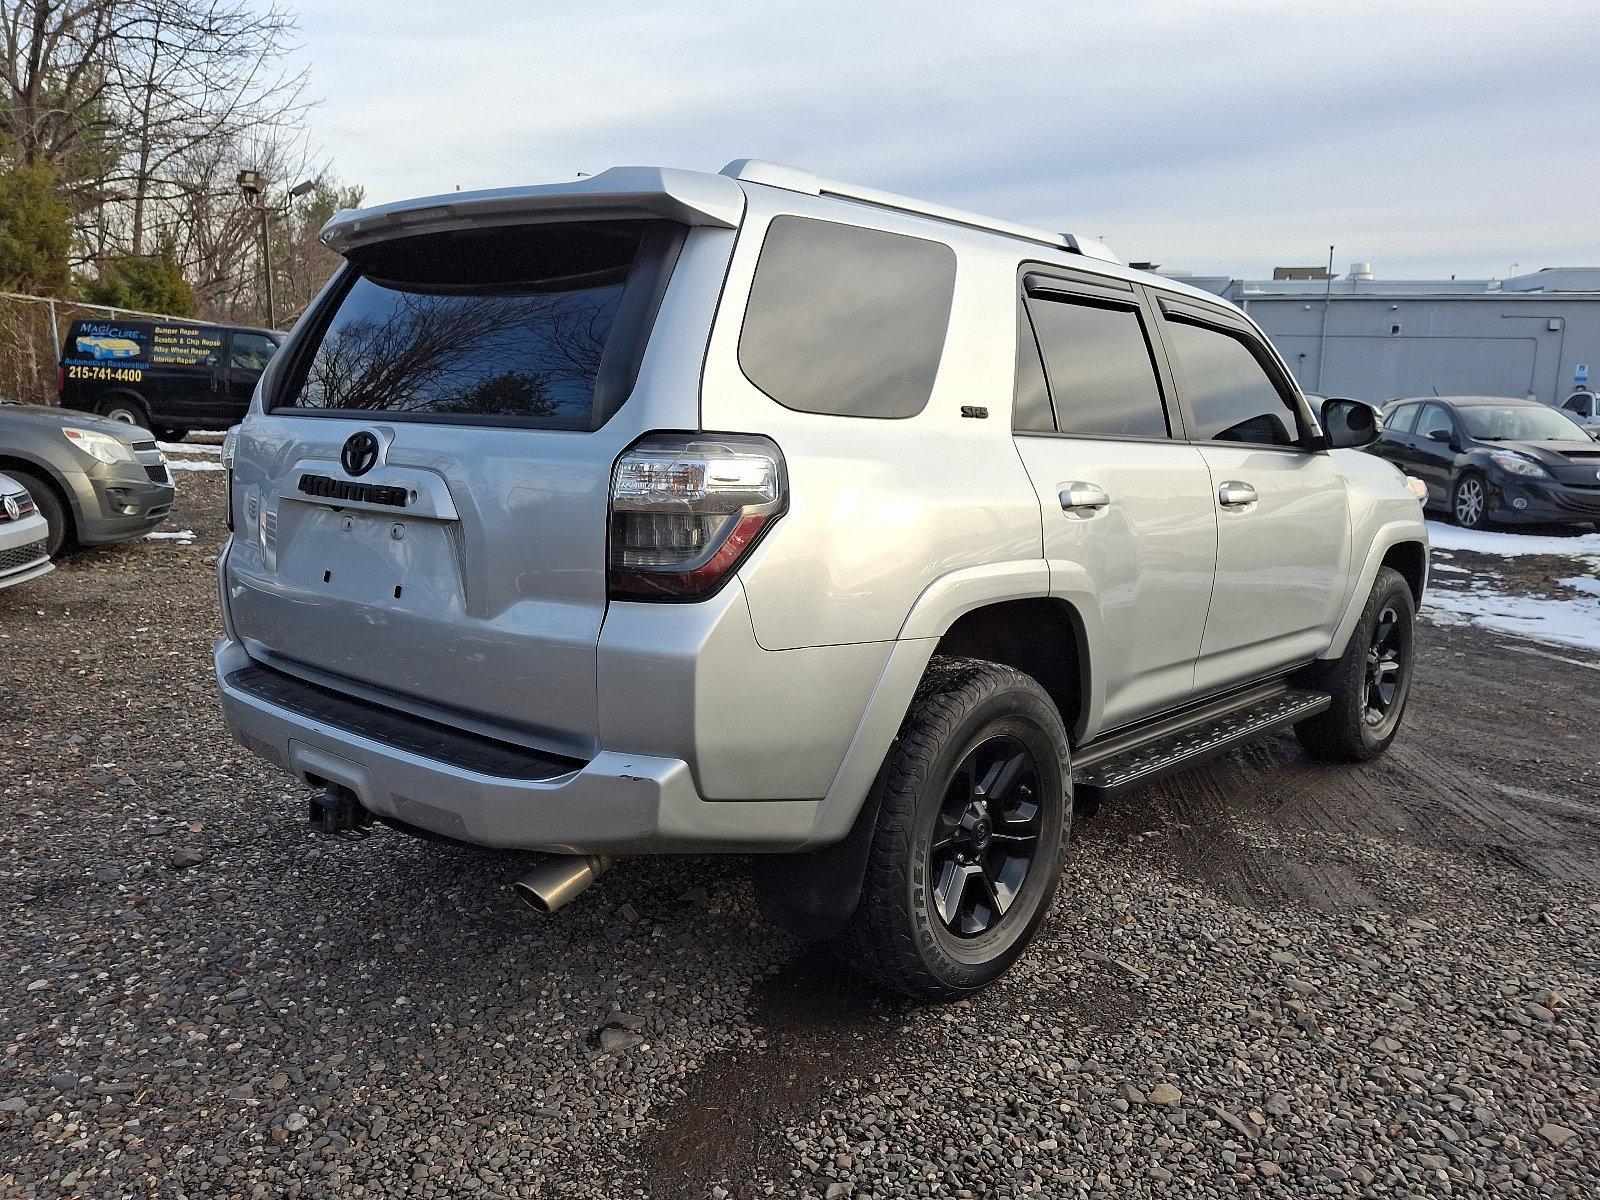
point(559, 880)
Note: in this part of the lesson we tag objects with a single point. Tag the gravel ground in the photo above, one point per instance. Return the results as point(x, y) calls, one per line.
point(1266, 977)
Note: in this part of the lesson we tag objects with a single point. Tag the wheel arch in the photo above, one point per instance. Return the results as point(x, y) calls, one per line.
point(1402, 544)
point(12, 461)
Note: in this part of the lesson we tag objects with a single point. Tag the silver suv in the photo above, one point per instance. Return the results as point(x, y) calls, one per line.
point(672, 512)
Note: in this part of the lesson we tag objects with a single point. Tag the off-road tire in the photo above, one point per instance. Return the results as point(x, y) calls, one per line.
point(895, 937)
point(51, 508)
point(1341, 733)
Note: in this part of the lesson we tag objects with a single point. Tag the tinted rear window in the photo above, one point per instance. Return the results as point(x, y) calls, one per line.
point(1102, 379)
point(846, 321)
point(508, 323)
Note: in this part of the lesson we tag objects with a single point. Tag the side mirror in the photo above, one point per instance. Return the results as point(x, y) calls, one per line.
point(1349, 424)
point(1441, 435)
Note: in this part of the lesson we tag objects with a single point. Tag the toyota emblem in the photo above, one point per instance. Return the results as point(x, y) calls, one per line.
point(13, 509)
point(360, 453)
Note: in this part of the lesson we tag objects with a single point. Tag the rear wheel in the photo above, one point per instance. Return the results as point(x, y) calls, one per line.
point(50, 507)
point(127, 409)
point(1370, 682)
point(1469, 501)
point(973, 815)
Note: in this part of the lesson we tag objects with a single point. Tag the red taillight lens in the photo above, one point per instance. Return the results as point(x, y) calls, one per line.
point(230, 446)
point(686, 509)
point(61, 380)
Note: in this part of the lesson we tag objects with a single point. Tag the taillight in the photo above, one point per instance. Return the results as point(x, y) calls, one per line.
point(687, 508)
point(61, 380)
point(230, 445)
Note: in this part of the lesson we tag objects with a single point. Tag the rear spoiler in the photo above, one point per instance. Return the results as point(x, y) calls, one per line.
point(687, 197)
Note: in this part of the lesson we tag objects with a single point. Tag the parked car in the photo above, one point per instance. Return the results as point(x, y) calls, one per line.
point(1583, 406)
point(1495, 459)
point(24, 552)
point(93, 480)
point(663, 511)
point(168, 376)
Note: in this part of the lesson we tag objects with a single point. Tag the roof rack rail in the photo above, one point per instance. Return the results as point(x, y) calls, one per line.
point(797, 179)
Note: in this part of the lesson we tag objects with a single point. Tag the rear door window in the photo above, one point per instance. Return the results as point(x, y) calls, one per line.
point(1403, 420)
point(511, 325)
point(1231, 396)
point(846, 321)
point(1097, 362)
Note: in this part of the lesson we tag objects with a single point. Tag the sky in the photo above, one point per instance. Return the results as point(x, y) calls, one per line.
point(1217, 136)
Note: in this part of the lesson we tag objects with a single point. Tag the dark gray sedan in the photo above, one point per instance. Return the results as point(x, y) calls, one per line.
point(94, 481)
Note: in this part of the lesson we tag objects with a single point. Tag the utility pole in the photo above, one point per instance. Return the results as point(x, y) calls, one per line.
point(1322, 343)
point(266, 263)
point(254, 188)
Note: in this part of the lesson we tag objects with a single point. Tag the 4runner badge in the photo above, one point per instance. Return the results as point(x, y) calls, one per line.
point(360, 453)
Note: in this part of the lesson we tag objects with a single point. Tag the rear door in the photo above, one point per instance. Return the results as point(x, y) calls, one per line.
point(1124, 499)
point(1283, 526)
point(424, 506)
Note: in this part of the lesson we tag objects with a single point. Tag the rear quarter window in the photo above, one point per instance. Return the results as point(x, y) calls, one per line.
point(846, 321)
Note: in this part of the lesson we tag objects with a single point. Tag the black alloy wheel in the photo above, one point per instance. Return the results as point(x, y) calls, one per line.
point(987, 835)
point(1385, 666)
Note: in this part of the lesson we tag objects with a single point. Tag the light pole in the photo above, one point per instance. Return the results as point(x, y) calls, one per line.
point(254, 188)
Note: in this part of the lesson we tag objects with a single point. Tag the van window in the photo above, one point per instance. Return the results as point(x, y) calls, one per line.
point(251, 351)
point(1232, 397)
point(1097, 360)
point(846, 321)
point(508, 324)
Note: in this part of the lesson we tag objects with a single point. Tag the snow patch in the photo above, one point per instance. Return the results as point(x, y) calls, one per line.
point(177, 535)
point(1511, 545)
point(195, 465)
point(188, 448)
point(1573, 623)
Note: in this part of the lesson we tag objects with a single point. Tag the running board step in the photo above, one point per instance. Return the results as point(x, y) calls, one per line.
point(1174, 750)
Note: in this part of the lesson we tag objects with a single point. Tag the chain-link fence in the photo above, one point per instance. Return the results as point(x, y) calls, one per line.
point(31, 329)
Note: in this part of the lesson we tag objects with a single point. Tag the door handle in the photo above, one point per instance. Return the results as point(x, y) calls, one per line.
point(1234, 494)
point(1083, 498)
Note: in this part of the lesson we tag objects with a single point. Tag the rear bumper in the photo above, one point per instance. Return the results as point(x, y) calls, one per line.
point(614, 803)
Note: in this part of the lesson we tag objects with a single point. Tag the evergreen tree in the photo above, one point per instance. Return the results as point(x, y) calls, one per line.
point(35, 232)
point(147, 282)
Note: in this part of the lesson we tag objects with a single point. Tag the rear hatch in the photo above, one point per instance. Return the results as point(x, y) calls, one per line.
point(421, 511)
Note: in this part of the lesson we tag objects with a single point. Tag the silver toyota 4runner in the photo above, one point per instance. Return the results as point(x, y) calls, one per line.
point(672, 512)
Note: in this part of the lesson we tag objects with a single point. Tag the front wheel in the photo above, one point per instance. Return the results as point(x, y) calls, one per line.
point(1370, 682)
point(58, 523)
point(125, 410)
point(973, 812)
point(1469, 501)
